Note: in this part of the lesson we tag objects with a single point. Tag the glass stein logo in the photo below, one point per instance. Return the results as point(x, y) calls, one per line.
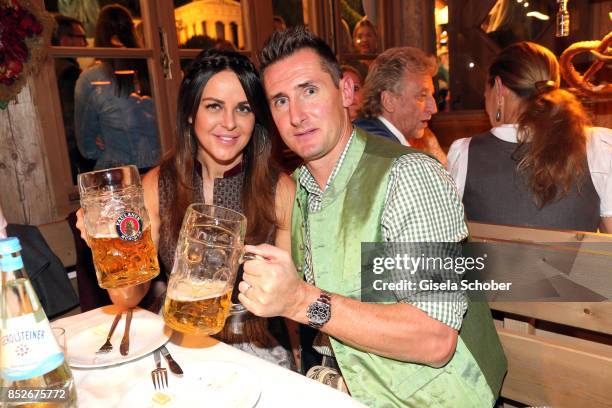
point(129, 226)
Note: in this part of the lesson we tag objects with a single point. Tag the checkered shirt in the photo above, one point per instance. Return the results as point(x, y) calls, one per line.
point(421, 205)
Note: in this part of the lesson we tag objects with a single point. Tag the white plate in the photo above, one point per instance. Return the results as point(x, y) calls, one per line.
point(146, 334)
point(209, 383)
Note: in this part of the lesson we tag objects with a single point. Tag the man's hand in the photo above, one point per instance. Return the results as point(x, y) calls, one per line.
point(271, 287)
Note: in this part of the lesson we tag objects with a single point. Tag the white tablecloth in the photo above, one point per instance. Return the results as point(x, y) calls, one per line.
point(104, 387)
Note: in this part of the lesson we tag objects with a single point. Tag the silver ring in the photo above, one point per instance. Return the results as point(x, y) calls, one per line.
point(247, 289)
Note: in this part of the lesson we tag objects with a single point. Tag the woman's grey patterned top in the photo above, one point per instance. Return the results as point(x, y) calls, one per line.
point(253, 335)
point(226, 193)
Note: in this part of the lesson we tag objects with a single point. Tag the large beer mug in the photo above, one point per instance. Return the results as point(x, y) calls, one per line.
point(208, 253)
point(117, 227)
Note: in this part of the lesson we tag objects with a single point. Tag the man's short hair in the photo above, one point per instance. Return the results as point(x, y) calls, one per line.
point(387, 71)
point(65, 27)
point(283, 44)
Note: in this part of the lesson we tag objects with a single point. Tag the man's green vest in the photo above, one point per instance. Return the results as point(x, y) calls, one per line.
point(351, 212)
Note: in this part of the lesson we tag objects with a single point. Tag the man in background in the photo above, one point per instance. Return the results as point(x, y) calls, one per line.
point(398, 99)
point(70, 33)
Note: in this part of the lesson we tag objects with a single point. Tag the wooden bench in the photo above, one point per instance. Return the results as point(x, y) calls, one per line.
point(559, 353)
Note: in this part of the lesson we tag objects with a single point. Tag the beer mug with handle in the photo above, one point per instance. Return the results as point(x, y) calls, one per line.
point(117, 227)
point(208, 252)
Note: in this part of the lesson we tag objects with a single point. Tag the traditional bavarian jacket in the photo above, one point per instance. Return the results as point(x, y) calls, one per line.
point(351, 214)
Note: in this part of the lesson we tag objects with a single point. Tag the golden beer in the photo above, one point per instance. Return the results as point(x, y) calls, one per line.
point(122, 263)
point(198, 308)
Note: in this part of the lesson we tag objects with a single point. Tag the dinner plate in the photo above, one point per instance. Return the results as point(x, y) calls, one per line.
point(147, 333)
point(208, 383)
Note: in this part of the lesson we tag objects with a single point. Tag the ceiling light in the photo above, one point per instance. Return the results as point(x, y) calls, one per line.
point(538, 15)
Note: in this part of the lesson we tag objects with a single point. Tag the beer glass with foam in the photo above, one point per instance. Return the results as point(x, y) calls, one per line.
point(117, 226)
point(208, 253)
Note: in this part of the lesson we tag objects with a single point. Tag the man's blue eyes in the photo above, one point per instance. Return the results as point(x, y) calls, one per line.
point(280, 102)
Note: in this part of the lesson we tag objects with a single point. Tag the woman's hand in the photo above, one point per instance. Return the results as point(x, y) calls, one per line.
point(129, 296)
point(80, 224)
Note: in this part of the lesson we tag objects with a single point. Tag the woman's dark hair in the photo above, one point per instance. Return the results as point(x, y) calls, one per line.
point(285, 43)
point(260, 170)
point(552, 122)
point(115, 22)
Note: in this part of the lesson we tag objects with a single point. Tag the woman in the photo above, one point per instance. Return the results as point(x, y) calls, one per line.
point(541, 164)
point(114, 113)
point(365, 41)
point(354, 74)
point(365, 37)
point(223, 156)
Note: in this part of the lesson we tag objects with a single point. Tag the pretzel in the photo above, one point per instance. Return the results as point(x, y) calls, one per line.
point(581, 82)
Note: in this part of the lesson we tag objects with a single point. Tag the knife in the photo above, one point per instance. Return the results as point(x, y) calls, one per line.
point(125, 341)
point(174, 367)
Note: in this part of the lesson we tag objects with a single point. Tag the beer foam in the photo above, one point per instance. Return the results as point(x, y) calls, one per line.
point(191, 292)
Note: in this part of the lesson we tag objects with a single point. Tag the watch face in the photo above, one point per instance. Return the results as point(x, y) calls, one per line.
point(318, 313)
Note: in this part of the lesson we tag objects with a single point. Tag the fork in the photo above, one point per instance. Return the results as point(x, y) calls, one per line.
point(159, 376)
point(107, 347)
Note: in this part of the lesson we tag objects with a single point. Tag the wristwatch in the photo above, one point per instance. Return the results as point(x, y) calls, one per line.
point(319, 312)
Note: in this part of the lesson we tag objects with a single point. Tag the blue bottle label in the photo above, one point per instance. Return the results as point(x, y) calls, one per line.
point(28, 348)
point(10, 264)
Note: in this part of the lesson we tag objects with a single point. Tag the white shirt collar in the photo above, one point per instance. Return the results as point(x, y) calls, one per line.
point(507, 132)
point(398, 135)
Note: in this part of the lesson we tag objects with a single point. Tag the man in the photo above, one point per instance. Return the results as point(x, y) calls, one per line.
point(398, 99)
point(358, 188)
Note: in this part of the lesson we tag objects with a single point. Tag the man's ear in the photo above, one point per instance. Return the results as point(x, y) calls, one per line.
point(347, 87)
point(388, 101)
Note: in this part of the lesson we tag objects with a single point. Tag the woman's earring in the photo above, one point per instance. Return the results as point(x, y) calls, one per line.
point(498, 114)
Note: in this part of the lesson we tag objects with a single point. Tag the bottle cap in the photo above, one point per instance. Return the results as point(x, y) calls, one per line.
point(9, 245)
point(10, 263)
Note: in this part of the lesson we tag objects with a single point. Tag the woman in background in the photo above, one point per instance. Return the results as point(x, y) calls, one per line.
point(365, 41)
point(114, 112)
point(365, 37)
point(354, 74)
point(541, 164)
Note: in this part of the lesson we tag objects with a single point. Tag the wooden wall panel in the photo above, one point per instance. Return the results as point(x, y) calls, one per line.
point(26, 197)
point(450, 126)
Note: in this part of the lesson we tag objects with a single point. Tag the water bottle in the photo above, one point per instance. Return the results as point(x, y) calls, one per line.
point(33, 369)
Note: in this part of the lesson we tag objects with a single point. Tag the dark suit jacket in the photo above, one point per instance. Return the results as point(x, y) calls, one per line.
point(45, 270)
point(375, 127)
